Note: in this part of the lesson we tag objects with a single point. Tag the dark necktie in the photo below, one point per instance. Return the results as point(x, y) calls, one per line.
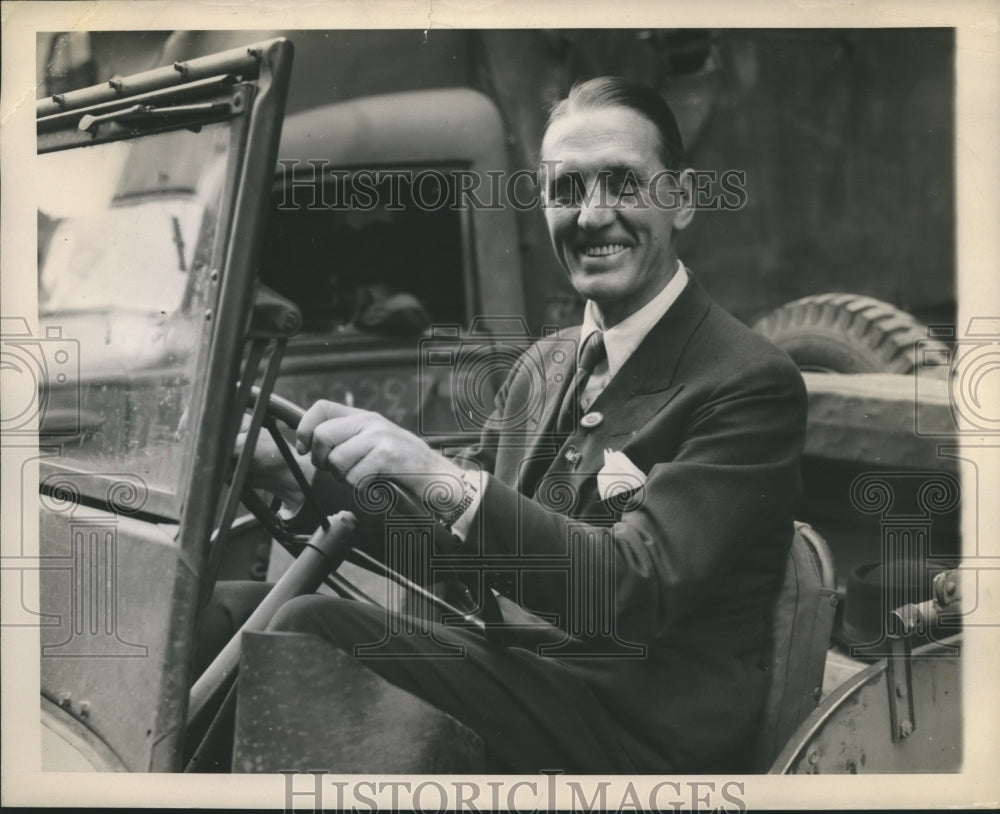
point(591, 355)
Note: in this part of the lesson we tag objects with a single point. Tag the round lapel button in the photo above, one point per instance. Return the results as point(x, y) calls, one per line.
point(592, 420)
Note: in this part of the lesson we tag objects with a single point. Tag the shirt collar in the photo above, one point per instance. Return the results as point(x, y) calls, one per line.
point(621, 341)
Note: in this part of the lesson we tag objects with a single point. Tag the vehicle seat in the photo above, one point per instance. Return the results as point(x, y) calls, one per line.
point(803, 623)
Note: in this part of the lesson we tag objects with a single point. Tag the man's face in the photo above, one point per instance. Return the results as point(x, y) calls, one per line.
point(613, 237)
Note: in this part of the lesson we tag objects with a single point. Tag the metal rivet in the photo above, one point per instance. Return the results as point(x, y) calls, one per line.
point(905, 729)
point(116, 84)
point(208, 315)
point(181, 68)
point(813, 756)
point(901, 691)
point(214, 275)
point(84, 709)
point(591, 420)
point(64, 699)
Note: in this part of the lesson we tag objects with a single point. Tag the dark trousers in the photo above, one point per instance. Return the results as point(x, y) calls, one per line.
point(532, 712)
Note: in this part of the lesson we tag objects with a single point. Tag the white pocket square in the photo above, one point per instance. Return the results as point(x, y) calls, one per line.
point(618, 475)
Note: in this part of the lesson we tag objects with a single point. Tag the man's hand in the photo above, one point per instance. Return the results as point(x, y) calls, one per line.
point(268, 470)
point(358, 444)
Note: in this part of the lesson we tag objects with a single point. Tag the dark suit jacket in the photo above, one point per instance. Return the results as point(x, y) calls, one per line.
point(670, 595)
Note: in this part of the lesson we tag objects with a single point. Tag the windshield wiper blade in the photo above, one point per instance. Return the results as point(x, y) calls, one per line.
point(151, 113)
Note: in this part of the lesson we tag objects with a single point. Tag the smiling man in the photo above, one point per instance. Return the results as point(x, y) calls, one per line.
point(700, 418)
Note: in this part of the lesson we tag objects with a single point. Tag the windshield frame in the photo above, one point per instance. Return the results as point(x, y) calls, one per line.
point(162, 500)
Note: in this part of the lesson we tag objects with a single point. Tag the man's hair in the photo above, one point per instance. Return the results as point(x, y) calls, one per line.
point(616, 91)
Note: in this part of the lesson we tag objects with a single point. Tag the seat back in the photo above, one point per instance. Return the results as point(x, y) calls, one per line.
point(803, 623)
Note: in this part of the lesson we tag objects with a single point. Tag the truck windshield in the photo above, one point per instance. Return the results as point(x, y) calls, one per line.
point(126, 240)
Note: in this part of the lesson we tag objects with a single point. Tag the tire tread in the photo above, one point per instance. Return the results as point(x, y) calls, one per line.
point(836, 330)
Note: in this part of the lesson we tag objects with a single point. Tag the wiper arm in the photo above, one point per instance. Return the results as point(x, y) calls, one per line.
point(146, 113)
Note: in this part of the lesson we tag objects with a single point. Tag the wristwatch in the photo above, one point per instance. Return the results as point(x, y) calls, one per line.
point(469, 492)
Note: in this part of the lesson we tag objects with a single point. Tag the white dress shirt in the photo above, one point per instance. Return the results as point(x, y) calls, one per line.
point(621, 341)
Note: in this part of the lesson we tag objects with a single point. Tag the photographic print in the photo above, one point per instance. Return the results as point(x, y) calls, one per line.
point(499, 409)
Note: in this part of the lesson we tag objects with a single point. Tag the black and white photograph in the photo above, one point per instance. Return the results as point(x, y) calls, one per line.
point(496, 407)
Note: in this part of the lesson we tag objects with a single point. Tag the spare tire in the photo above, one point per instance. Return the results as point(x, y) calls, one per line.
point(846, 333)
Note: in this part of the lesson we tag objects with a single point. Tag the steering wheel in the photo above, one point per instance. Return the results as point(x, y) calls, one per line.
point(282, 411)
point(290, 414)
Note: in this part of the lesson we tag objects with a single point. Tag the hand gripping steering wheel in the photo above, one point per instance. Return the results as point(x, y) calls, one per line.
point(317, 558)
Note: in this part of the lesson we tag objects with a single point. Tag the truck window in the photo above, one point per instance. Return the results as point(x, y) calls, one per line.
point(369, 254)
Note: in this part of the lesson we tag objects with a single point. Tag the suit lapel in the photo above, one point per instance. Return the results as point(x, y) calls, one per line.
point(557, 360)
point(642, 387)
point(650, 369)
